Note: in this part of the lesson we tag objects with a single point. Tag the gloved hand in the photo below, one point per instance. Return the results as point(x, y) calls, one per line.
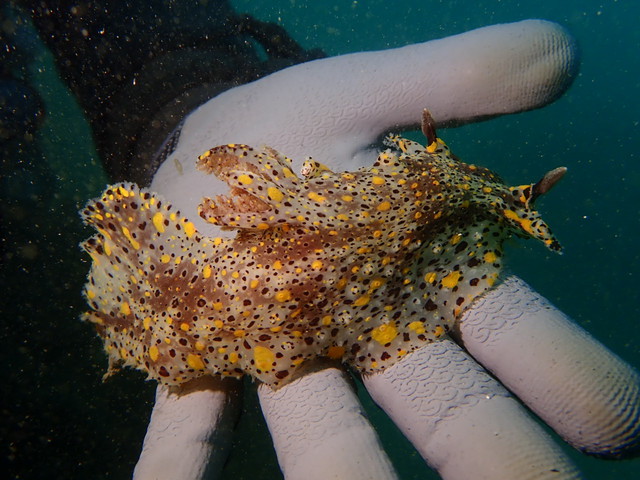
point(461, 419)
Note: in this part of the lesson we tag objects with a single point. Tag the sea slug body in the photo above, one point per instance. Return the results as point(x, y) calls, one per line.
point(362, 266)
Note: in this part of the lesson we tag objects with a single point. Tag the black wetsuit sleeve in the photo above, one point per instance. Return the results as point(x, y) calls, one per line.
point(137, 68)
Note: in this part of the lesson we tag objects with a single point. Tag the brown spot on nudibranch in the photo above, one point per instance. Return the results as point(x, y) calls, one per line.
point(362, 266)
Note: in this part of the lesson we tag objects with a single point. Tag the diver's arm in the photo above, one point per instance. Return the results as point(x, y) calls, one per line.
point(137, 68)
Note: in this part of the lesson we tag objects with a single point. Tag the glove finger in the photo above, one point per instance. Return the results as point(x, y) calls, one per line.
point(582, 390)
point(463, 422)
point(334, 109)
point(190, 431)
point(320, 430)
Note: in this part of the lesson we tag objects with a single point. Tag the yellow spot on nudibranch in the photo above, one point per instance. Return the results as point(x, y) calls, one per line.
point(127, 234)
point(316, 264)
point(275, 194)
point(417, 327)
point(283, 296)
point(525, 223)
point(195, 361)
point(288, 173)
point(124, 308)
point(316, 197)
point(451, 280)
point(158, 222)
point(189, 229)
point(490, 257)
point(384, 206)
point(430, 277)
point(206, 271)
point(363, 300)
point(385, 333)
point(455, 239)
point(245, 179)
point(154, 353)
point(263, 357)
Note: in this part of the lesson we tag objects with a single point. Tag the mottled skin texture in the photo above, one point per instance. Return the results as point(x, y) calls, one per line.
point(361, 266)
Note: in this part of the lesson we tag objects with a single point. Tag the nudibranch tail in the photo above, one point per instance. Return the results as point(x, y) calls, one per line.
point(362, 267)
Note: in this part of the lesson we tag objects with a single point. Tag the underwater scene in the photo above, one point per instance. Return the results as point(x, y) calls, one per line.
point(62, 143)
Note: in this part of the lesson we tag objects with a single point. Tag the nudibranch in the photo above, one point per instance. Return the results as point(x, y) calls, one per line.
point(363, 266)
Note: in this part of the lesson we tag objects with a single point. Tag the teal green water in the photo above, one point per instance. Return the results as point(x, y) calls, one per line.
point(65, 423)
